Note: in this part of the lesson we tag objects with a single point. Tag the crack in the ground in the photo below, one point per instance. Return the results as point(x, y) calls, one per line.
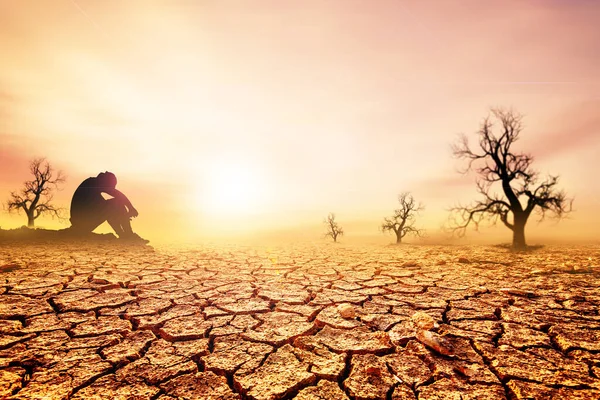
point(371, 279)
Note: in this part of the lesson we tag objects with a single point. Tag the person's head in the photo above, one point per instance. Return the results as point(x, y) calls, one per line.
point(107, 179)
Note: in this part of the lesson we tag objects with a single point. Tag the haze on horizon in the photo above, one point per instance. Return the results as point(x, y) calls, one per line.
point(243, 118)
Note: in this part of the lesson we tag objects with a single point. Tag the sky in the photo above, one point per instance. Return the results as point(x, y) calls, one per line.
point(230, 118)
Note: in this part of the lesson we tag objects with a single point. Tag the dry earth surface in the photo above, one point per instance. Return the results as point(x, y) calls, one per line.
point(305, 322)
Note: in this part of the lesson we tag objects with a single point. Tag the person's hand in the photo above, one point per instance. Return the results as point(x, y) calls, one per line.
point(133, 212)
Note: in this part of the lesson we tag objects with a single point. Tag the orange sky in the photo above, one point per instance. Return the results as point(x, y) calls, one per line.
point(232, 117)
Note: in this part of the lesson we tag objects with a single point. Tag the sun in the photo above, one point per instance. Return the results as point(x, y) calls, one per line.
point(232, 190)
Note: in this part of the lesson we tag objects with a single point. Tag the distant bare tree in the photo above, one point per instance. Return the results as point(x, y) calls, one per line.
point(521, 192)
point(402, 222)
point(333, 228)
point(36, 197)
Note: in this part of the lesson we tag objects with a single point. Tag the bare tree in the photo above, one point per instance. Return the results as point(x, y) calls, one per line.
point(402, 223)
point(36, 197)
point(521, 190)
point(333, 228)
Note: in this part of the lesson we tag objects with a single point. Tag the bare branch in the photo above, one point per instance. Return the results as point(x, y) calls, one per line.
point(519, 193)
point(36, 196)
point(402, 222)
point(334, 230)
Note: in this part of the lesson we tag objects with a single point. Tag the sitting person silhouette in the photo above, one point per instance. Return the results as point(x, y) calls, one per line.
point(89, 208)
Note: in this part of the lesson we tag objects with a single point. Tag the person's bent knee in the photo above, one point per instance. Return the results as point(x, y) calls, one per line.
point(115, 207)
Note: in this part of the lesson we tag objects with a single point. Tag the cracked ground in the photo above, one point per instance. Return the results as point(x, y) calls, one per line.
point(303, 322)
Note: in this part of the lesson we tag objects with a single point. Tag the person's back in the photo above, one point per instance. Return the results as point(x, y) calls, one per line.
point(89, 192)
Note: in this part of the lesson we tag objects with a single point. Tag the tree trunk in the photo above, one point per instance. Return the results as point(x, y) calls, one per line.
point(398, 238)
point(519, 234)
point(30, 220)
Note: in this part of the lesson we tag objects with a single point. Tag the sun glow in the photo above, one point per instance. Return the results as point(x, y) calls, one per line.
point(232, 190)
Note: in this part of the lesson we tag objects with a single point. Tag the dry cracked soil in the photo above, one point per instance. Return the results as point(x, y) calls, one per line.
point(305, 322)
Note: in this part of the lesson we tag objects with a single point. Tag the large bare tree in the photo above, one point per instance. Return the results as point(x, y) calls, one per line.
point(510, 188)
point(334, 230)
point(402, 223)
point(35, 198)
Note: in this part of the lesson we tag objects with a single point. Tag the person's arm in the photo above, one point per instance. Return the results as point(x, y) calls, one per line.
point(120, 196)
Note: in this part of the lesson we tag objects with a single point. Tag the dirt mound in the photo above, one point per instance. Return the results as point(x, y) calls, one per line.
point(27, 235)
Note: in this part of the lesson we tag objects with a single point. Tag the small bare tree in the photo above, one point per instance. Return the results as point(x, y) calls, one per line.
point(497, 164)
point(334, 230)
point(402, 222)
point(36, 197)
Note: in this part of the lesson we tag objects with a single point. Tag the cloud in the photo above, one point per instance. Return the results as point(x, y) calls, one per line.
point(13, 164)
point(576, 128)
point(6, 97)
point(7, 101)
point(440, 186)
